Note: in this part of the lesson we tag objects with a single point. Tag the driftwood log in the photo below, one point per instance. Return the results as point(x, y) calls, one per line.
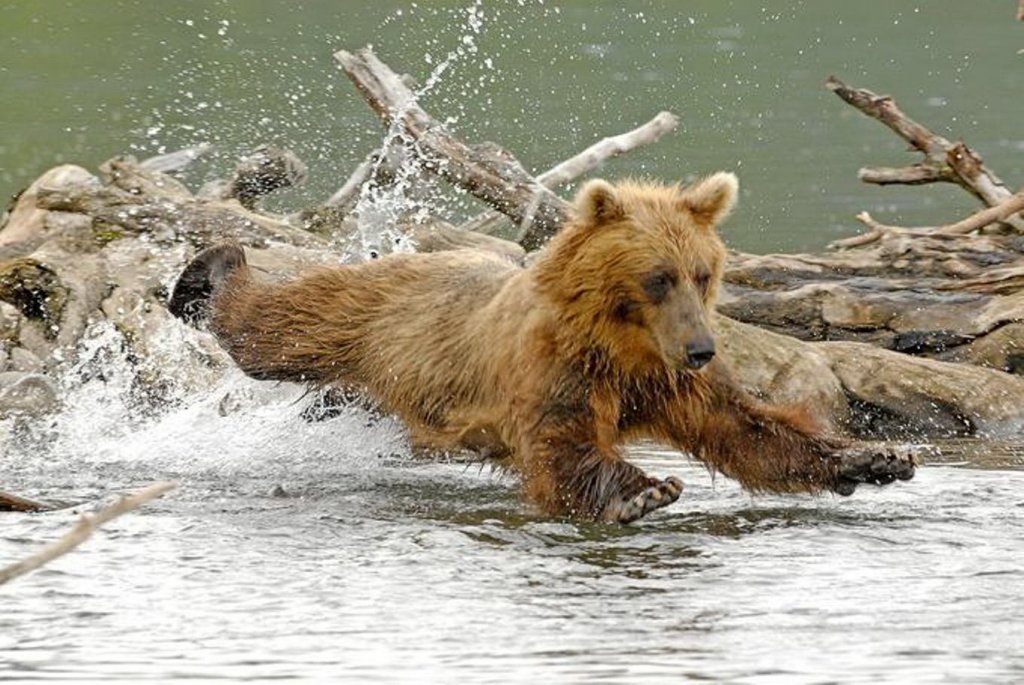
point(910, 333)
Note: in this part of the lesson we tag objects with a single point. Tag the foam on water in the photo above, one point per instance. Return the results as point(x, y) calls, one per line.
point(379, 208)
point(231, 426)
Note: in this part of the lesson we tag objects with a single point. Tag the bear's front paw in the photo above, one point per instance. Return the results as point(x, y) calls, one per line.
point(660, 493)
point(876, 464)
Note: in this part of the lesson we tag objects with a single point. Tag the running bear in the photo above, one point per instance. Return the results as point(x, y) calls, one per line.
point(551, 369)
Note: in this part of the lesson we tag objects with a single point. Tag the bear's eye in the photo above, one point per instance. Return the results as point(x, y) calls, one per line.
point(658, 284)
point(626, 310)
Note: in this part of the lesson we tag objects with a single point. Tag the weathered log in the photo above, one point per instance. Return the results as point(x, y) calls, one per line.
point(921, 295)
point(944, 160)
point(497, 179)
point(874, 392)
point(136, 202)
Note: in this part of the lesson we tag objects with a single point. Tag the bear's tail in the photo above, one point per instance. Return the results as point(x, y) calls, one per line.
point(190, 300)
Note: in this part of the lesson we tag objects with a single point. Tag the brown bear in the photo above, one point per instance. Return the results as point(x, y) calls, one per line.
point(550, 369)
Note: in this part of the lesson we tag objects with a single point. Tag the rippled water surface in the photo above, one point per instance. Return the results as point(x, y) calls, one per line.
point(297, 550)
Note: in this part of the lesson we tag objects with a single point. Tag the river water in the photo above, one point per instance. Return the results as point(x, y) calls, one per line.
point(294, 550)
point(297, 550)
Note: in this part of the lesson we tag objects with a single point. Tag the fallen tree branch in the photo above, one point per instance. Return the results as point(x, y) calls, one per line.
point(176, 161)
point(347, 194)
point(913, 175)
point(11, 502)
point(944, 160)
point(85, 527)
point(494, 177)
point(974, 222)
point(585, 162)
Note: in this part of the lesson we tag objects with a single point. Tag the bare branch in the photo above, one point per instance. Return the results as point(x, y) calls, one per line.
point(607, 148)
point(948, 161)
point(915, 174)
point(176, 161)
point(347, 194)
point(587, 161)
point(83, 529)
point(974, 222)
point(884, 109)
point(999, 213)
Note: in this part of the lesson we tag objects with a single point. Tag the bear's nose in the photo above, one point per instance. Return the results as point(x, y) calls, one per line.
point(700, 353)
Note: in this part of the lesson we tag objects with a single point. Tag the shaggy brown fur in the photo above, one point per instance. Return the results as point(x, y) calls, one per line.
point(605, 339)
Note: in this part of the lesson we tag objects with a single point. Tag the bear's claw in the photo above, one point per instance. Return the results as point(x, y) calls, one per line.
point(659, 494)
point(876, 464)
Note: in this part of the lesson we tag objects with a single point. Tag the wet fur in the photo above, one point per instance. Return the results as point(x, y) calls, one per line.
point(551, 368)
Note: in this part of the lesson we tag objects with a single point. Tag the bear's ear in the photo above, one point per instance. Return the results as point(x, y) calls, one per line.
point(598, 203)
point(711, 199)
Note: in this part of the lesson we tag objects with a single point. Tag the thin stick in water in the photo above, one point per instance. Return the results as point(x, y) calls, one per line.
point(83, 529)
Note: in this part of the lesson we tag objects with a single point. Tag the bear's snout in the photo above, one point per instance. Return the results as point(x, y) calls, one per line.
point(700, 352)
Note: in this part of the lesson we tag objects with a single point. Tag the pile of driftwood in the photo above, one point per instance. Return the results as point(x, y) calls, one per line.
point(900, 331)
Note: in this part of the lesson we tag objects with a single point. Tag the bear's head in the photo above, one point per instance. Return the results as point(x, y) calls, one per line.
point(635, 271)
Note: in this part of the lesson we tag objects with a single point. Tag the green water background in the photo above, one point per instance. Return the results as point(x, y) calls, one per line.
point(81, 81)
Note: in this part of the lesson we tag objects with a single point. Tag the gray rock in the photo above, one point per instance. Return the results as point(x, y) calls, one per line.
point(10, 321)
point(32, 336)
point(25, 361)
point(26, 394)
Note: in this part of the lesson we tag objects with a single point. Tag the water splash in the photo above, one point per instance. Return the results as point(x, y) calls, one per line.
point(380, 208)
point(117, 424)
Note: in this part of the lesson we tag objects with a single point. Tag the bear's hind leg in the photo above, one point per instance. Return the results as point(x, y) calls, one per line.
point(191, 296)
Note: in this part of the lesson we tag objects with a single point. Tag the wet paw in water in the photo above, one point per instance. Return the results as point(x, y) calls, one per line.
point(876, 464)
point(659, 494)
